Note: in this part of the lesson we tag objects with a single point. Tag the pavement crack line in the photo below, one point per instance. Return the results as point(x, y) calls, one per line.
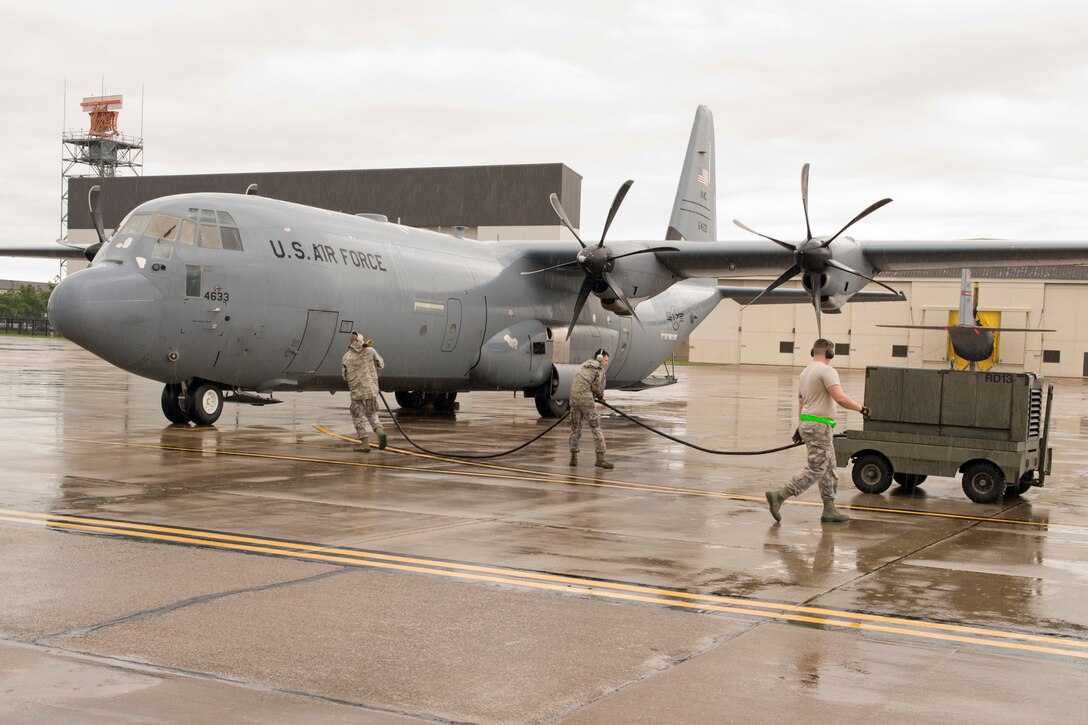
point(181, 604)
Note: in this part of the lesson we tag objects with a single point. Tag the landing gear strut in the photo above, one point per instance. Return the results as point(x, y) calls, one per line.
point(199, 402)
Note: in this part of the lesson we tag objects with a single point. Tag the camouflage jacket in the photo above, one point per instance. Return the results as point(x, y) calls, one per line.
point(588, 384)
point(361, 364)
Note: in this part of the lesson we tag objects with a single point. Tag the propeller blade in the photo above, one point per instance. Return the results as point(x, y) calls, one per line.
point(814, 284)
point(554, 266)
point(554, 199)
point(616, 290)
point(93, 199)
point(645, 251)
point(583, 295)
point(787, 245)
point(872, 207)
point(785, 277)
point(615, 207)
point(804, 199)
point(844, 268)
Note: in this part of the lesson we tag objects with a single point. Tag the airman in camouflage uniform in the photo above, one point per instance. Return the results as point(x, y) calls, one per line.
point(585, 390)
point(818, 391)
point(361, 364)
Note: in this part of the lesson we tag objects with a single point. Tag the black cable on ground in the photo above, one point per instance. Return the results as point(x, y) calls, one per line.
point(663, 434)
point(466, 455)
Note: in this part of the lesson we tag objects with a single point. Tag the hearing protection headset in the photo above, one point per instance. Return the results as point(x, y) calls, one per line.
point(600, 355)
point(828, 348)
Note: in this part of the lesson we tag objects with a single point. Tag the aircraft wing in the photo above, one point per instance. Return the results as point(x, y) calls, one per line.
point(979, 328)
point(797, 296)
point(888, 256)
point(41, 251)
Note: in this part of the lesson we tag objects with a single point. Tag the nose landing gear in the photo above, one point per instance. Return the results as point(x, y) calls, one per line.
point(198, 402)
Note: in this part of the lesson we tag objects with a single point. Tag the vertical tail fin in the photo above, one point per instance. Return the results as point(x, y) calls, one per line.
point(695, 211)
point(967, 299)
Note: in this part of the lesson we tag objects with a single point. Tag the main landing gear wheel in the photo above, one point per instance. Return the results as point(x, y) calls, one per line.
point(872, 473)
point(204, 403)
point(442, 402)
point(172, 406)
point(983, 482)
point(549, 408)
point(410, 399)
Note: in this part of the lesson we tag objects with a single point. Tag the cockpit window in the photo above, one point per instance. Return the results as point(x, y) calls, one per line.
point(187, 236)
point(209, 237)
point(231, 238)
point(135, 224)
point(163, 227)
point(226, 218)
point(207, 216)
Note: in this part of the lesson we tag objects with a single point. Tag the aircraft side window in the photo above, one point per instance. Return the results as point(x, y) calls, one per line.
point(193, 214)
point(231, 238)
point(209, 237)
point(162, 251)
point(226, 218)
point(207, 216)
point(192, 280)
point(135, 224)
point(163, 227)
point(187, 236)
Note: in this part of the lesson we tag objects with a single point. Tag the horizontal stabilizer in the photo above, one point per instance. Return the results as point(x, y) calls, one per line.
point(970, 327)
point(796, 296)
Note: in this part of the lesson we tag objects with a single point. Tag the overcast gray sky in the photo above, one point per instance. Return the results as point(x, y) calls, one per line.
point(970, 114)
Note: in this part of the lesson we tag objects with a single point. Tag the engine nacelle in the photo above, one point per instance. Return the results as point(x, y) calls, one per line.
point(518, 357)
point(562, 378)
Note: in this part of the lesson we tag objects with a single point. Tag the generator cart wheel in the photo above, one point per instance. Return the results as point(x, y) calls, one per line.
point(983, 482)
point(872, 473)
point(909, 480)
point(1022, 486)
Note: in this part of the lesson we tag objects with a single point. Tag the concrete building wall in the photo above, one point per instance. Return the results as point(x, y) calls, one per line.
point(783, 334)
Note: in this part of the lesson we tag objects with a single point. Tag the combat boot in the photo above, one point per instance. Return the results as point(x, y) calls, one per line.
point(382, 440)
point(602, 463)
point(363, 445)
point(573, 458)
point(774, 501)
point(832, 515)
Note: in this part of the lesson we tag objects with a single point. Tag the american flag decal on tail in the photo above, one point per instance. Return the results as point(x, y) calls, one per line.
point(704, 177)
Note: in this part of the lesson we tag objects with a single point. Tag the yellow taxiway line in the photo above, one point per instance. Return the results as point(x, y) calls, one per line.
point(1048, 644)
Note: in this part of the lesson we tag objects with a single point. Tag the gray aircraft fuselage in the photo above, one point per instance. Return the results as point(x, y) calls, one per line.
point(276, 311)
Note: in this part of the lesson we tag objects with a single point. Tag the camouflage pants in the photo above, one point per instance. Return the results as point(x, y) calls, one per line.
point(577, 415)
point(821, 462)
point(364, 409)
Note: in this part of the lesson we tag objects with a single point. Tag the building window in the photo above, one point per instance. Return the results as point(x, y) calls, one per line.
point(1052, 356)
point(842, 348)
point(899, 350)
point(786, 346)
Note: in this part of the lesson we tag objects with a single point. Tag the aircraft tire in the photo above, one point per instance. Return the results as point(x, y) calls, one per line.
point(549, 408)
point(410, 399)
point(171, 408)
point(442, 402)
point(204, 402)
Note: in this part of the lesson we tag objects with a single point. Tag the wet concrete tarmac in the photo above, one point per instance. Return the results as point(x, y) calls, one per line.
point(260, 571)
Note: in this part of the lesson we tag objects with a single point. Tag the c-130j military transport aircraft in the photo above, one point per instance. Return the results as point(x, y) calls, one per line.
point(229, 296)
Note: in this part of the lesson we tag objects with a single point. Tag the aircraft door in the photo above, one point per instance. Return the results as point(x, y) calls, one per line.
point(312, 348)
point(453, 324)
point(623, 347)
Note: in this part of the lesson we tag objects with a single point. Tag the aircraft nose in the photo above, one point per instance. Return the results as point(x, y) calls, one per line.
point(109, 310)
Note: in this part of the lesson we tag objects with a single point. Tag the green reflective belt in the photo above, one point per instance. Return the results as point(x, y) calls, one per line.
point(814, 419)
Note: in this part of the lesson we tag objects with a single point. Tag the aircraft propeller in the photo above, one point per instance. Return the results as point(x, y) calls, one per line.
point(597, 262)
point(94, 202)
point(813, 256)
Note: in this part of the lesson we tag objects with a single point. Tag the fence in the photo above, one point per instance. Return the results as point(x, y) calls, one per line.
point(25, 326)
